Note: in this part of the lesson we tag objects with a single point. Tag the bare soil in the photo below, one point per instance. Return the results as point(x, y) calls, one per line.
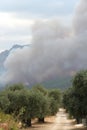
point(59, 122)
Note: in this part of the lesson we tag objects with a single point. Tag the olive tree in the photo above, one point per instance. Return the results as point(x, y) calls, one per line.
point(75, 99)
point(55, 97)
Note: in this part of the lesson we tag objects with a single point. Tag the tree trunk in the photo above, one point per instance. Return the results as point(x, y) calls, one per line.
point(86, 120)
point(77, 119)
point(41, 120)
point(28, 123)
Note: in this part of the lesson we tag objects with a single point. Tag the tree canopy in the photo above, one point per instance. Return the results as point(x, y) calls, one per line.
point(25, 104)
point(74, 98)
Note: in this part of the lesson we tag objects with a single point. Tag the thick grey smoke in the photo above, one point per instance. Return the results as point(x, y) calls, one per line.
point(56, 51)
point(80, 18)
point(80, 36)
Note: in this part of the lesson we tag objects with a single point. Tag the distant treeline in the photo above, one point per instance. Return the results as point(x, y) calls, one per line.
point(25, 104)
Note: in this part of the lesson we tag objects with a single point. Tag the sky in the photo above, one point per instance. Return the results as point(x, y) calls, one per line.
point(18, 16)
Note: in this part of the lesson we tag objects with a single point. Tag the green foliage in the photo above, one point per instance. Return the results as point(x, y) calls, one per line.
point(37, 106)
point(55, 97)
point(40, 88)
point(55, 94)
point(74, 99)
point(24, 104)
point(4, 101)
point(53, 106)
point(15, 87)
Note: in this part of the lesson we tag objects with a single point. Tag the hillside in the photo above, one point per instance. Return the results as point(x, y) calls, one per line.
point(59, 82)
point(6, 53)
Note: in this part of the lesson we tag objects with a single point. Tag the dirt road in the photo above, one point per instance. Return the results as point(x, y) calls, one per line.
point(61, 122)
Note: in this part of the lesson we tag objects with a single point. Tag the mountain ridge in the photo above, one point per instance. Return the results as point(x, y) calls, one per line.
point(4, 54)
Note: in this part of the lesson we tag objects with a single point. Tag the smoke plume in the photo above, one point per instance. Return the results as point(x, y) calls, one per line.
point(56, 50)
